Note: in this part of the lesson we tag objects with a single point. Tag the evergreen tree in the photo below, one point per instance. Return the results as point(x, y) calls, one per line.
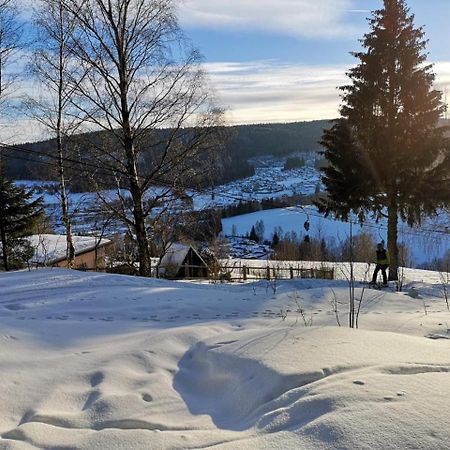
point(388, 155)
point(275, 240)
point(18, 212)
point(253, 236)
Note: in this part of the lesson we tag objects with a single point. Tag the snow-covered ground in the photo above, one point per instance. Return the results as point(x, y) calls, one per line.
point(426, 242)
point(429, 241)
point(269, 181)
point(97, 361)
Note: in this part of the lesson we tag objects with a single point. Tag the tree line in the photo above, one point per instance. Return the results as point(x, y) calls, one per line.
point(243, 142)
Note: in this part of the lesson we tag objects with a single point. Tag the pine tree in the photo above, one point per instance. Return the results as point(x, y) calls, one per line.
point(275, 240)
point(388, 155)
point(253, 236)
point(18, 212)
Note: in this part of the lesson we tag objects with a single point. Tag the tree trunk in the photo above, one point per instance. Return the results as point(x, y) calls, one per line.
point(392, 235)
point(137, 197)
point(351, 282)
point(141, 236)
point(4, 250)
point(70, 250)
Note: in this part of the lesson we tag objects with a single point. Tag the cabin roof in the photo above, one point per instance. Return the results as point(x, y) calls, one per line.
point(176, 254)
point(51, 248)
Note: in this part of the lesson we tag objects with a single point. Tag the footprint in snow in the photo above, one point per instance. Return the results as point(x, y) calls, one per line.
point(226, 342)
point(9, 337)
point(96, 379)
point(147, 398)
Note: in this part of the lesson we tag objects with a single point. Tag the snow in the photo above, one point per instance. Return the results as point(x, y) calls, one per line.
point(241, 247)
point(99, 361)
point(426, 242)
point(175, 254)
point(50, 248)
point(269, 181)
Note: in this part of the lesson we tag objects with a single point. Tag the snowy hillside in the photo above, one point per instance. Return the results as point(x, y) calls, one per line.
point(426, 242)
point(269, 181)
point(114, 362)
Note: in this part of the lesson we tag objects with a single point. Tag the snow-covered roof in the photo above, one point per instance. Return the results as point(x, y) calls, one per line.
point(174, 257)
point(51, 248)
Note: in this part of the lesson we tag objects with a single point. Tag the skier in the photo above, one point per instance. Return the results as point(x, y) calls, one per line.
point(382, 264)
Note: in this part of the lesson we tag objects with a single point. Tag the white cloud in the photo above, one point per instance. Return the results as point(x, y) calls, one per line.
point(20, 130)
point(304, 18)
point(266, 91)
point(255, 92)
point(442, 71)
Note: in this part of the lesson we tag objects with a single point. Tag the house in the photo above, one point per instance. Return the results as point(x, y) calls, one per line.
point(50, 251)
point(182, 261)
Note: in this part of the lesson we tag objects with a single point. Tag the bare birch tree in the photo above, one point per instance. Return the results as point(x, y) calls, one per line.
point(52, 107)
point(10, 43)
point(146, 89)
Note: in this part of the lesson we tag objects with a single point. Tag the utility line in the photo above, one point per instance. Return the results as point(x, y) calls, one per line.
point(165, 184)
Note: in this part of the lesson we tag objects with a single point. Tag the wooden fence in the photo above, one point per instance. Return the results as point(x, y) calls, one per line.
point(247, 273)
point(242, 273)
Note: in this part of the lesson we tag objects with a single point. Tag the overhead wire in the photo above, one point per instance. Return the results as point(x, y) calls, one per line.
point(106, 169)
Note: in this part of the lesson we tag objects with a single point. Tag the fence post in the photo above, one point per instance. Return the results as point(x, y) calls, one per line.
point(268, 273)
point(291, 272)
point(244, 273)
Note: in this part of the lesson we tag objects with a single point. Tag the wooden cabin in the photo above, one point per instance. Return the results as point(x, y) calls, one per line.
point(50, 251)
point(182, 261)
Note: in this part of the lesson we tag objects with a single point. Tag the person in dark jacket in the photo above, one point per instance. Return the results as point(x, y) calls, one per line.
point(382, 264)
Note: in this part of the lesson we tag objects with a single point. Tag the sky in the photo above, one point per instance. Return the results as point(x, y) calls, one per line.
point(282, 60)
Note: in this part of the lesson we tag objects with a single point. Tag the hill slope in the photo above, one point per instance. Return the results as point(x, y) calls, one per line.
point(245, 141)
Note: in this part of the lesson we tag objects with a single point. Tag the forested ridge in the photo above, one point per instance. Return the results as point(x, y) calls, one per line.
point(243, 142)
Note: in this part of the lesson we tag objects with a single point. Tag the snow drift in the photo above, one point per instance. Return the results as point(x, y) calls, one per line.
point(105, 361)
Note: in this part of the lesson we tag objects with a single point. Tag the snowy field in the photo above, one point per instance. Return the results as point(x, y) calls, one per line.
point(425, 243)
point(97, 361)
point(269, 181)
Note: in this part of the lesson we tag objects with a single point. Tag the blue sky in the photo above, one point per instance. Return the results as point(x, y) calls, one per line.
point(281, 60)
